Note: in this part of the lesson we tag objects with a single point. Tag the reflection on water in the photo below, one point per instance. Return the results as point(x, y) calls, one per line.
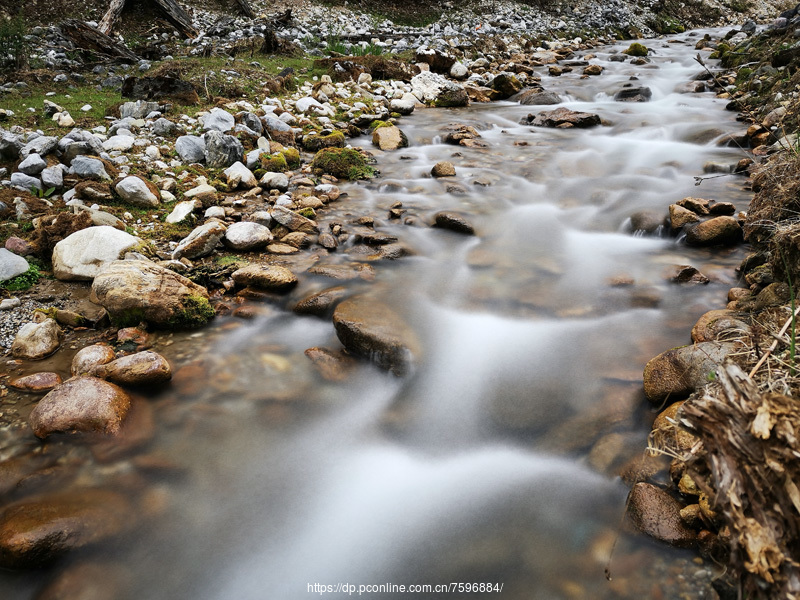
point(491, 462)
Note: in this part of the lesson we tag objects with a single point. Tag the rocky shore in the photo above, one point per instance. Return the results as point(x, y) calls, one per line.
point(178, 203)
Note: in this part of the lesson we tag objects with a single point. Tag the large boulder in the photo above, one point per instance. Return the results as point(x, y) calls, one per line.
point(81, 255)
point(39, 530)
point(371, 329)
point(138, 290)
point(82, 404)
point(676, 373)
point(201, 241)
point(435, 89)
point(222, 150)
point(37, 340)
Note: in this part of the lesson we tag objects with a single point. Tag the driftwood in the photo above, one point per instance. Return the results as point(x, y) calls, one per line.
point(178, 17)
point(246, 9)
point(89, 38)
point(750, 453)
point(112, 15)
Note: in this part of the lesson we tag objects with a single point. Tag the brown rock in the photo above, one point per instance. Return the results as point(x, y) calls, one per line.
point(87, 359)
point(714, 232)
point(81, 404)
point(35, 341)
point(293, 221)
point(667, 431)
point(389, 138)
point(657, 514)
point(443, 169)
point(38, 383)
point(142, 368)
point(680, 216)
point(137, 430)
point(321, 303)
point(593, 70)
point(716, 323)
point(564, 118)
point(138, 290)
point(373, 330)
point(266, 277)
point(88, 581)
point(345, 272)
point(35, 532)
point(453, 222)
point(722, 208)
point(646, 221)
point(331, 365)
point(456, 133)
point(676, 373)
point(685, 274)
point(696, 205)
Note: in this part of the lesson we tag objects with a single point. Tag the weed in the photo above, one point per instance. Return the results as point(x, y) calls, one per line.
point(24, 281)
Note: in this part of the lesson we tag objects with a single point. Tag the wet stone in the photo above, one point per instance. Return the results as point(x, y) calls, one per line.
point(657, 514)
point(321, 303)
point(331, 365)
point(266, 277)
point(87, 359)
point(143, 368)
point(453, 222)
point(38, 383)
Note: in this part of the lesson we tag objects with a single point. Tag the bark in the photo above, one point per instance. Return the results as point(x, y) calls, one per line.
point(178, 17)
point(89, 38)
point(112, 15)
point(246, 9)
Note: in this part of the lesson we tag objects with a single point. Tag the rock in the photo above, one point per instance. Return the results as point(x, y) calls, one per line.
point(506, 85)
point(166, 128)
point(719, 323)
point(453, 222)
point(137, 290)
point(35, 341)
point(89, 168)
point(636, 49)
point(37, 531)
point(157, 88)
point(536, 96)
point(32, 165)
point(668, 432)
point(81, 255)
point(592, 70)
point(87, 359)
point(183, 210)
point(633, 94)
point(266, 277)
point(200, 242)
point(314, 141)
point(240, 176)
point(218, 120)
point(42, 145)
point(686, 274)
point(718, 231)
point(389, 138)
point(138, 110)
point(292, 220)
point(222, 150)
point(443, 168)
point(371, 329)
point(321, 303)
point(679, 216)
point(404, 105)
point(458, 134)
point(564, 118)
point(646, 221)
point(82, 404)
point(696, 205)
point(274, 181)
point(53, 177)
point(246, 236)
point(11, 265)
point(459, 70)
point(25, 182)
point(657, 514)
point(331, 365)
point(432, 88)
point(191, 148)
point(343, 163)
point(722, 208)
point(19, 247)
point(122, 143)
point(142, 368)
point(678, 372)
point(38, 383)
point(135, 190)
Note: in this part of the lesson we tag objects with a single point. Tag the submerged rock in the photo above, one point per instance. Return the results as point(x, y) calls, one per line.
point(38, 383)
point(657, 514)
point(371, 329)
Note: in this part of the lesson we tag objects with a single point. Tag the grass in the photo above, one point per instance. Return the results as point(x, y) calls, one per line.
point(24, 281)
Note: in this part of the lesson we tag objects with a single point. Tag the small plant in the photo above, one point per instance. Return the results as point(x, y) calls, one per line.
point(22, 282)
point(14, 48)
point(42, 193)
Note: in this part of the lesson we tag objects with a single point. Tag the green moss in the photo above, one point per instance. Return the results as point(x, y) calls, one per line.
point(666, 24)
point(292, 156)
point(128, 318)
point(344, 163)
point(274, 163)
point(226, 261)
point(22, 282)
point(308, 213)
point(743, 75)
point(313, 142)
point(376, 124)
point(197, 311)
point(636, 49)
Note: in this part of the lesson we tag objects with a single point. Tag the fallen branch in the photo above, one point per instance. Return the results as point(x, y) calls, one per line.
point(774, 344)
point(89, 38)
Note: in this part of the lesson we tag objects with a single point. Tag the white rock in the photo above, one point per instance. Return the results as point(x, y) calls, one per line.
point(11, 265)
point(81, 255)
point(134, 190)
point(459, 70)
point(275, 181)
point(85, 166)
point(122, 143)
point(184, 209)
point(246, 235)
point(218, 119)
point(86, 107)
point(9, 303)
point(216, 212)
point(203, 188)
point(167, 196)
point(240, 176)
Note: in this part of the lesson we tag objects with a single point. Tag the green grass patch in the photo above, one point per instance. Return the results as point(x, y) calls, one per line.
point(24, 281)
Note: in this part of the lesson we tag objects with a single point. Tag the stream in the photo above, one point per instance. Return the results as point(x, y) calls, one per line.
point(497, 459)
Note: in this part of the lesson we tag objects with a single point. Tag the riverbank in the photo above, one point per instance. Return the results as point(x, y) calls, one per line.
point(277, 210)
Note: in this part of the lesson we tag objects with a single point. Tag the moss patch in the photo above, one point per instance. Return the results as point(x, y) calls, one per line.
point(274, 163)
point(197, 311)
point(313, 142)
point(344, 163)
point(636, 49)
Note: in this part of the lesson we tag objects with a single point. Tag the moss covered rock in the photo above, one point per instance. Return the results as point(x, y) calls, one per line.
point(344, 163)
point(313, 141)
point(636, 49)
point(274, 163)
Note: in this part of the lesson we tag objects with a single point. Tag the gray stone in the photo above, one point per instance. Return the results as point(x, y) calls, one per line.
point(166, 128)
point(404, 105)
point(222, 150)
point(11, 265)
point(191, 148)
point(10, 145)
point(432, 88)
point(252, 122)
point(32, 165)
point(275, 181)
point(218, 120)
point(293, 221)
point(122, 143)
point(274, 124)
point(459, 71)
point(83, 254)
point(246, 236)
point(25, 182)
point(240, 176)
point(138, 110)
point(53, 177)
point(42, 145)
point(134, 190)
point(89, 168)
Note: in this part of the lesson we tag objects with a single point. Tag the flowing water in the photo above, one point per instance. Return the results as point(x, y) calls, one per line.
point(495, 460)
